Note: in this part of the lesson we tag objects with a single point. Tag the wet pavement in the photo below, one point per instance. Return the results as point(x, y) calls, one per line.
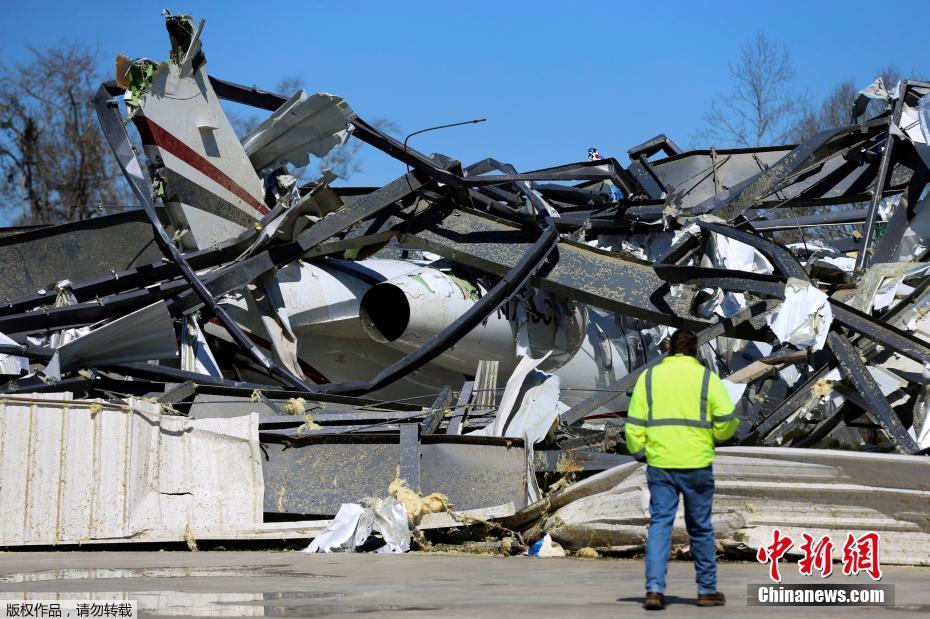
point(293, 584)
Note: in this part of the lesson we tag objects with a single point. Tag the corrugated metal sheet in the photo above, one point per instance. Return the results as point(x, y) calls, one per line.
point(74, 471)
point(758, 488)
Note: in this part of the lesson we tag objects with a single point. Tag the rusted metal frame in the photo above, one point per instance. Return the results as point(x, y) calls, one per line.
point(876, 330)
point(787, 408)
point(815, 149)
point(89, 312)
point(853, 369)
point(437, 411)
point(781, 258)
point(460, 412)
point(409, 465)
point(869, 349)
point(863, 259)
point(854, 216)
point(723, 326)
point(897, 225)
point(579, 272)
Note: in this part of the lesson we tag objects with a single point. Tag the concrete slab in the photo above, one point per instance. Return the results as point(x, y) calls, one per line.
point(414, 585)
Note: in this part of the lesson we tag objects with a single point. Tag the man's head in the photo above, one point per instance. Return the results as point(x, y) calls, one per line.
point(683, 342)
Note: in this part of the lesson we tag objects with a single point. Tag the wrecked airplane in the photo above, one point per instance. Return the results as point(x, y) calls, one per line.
point(472, 330)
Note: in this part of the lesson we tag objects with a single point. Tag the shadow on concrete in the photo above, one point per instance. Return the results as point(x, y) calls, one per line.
point(669, 600)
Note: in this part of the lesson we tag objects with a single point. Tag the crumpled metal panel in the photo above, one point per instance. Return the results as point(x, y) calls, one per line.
point(79, 471)
point(815, 491)
point(317, 478)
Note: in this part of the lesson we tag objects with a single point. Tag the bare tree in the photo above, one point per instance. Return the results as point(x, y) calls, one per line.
point(761, 107)
point(55, 165)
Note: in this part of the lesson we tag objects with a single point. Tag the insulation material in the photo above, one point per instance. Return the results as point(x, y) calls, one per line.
point(79, 471)
point(415, 505)
point(803, 320)
point(801, 490)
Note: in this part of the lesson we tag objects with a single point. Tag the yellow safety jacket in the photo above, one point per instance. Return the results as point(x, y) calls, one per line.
point(678, 409)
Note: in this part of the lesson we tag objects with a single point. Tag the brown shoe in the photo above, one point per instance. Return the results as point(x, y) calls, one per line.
point(711, 599)
point(654, 601)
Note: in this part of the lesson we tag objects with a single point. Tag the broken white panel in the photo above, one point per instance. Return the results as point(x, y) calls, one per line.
point(80, 471)
point(349, 528)
point(354, 524)
point(727, 253)
point(301, 126)
point(894, 287)
point(923, 114)
point(531, 415)
point(888, 383)
point(145, 334)
point(883, 282)
point(529, 408)
point(814, 491)
point(804, 318)
point(915, 121)
point(734, 390)
point(916, 237)
point(843, 263)
point(196, 355)
point(12, 365)
point(737, 256)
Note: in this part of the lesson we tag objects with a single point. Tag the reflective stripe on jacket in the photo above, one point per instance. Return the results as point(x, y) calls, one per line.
point(678, 410)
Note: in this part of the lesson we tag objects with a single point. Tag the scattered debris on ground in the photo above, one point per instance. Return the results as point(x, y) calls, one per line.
point(253, 355)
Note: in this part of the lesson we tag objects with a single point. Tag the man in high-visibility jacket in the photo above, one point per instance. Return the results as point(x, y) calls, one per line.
point(678, 410)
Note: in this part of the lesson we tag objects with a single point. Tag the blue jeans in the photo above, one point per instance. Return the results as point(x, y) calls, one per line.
point(697, 487)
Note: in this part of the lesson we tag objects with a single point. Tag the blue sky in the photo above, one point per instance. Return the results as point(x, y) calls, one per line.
point(551, 78)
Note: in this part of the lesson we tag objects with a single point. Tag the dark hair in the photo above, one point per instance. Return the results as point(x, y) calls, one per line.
point(683, 342)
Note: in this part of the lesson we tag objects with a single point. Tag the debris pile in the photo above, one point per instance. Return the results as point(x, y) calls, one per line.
point(477, 326)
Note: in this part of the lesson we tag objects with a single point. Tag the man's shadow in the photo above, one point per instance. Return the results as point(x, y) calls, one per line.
point(669, 600)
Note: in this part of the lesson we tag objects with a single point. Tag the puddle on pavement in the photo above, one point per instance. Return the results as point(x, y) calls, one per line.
point(153, 572)
point(202, 604)
point(103, 573)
